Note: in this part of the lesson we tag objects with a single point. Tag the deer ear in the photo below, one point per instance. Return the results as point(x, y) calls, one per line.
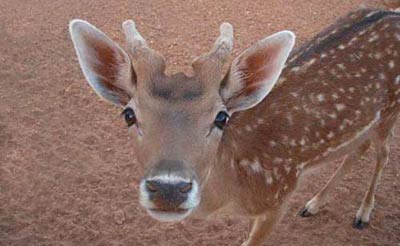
point(105, 65)
point(253, 73)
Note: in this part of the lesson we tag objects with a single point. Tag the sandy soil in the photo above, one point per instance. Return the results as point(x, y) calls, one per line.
point(66, 170)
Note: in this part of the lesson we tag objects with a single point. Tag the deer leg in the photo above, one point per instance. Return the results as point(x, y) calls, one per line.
point(261, 227)
point(364, 212)
point(384, 131)
point(313, 206)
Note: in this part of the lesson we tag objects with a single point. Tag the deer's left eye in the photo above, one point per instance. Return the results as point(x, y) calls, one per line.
point(129, 116)
point(221, 119)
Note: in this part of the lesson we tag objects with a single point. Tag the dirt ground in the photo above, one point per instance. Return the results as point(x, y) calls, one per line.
point(67, 175)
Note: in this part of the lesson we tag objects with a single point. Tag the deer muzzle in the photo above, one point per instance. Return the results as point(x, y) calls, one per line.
point(169, 191)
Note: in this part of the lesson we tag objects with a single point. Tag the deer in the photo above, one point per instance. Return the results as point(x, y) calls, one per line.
point(234, 139)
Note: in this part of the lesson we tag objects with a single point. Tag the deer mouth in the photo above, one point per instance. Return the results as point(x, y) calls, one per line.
point(169, 215)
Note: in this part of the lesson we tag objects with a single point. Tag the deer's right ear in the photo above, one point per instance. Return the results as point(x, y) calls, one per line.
point(254, 73)
point(106, 66)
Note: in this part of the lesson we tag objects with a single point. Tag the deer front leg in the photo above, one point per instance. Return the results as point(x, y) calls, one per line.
point(261, 227)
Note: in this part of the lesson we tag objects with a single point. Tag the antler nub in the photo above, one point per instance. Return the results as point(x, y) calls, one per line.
point(224, 44)
point(132, 36)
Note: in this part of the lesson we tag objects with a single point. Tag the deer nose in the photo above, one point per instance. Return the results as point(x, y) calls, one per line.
point(168, 196)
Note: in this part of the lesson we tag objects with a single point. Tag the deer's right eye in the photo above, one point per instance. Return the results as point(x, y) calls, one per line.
point(129, 116)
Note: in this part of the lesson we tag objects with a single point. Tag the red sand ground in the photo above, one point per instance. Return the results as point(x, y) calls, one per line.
point(66, 170)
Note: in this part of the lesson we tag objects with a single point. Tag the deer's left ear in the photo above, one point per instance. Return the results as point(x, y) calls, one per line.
point(253, 73)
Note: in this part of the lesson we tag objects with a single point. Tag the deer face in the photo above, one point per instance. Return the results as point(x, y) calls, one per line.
point(177, 121)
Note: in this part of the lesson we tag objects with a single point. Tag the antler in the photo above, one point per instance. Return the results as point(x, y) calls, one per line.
point(140, 53)
point(133, 37)
point(210, 65)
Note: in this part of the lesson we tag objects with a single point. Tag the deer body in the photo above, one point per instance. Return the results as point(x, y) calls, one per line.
point(336, 95)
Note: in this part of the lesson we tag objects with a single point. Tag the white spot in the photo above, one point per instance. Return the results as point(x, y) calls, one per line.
point(335, 96)
point(333, 115)
point(341, 47)
point(321, 97)
point(287, 168)
point(348, 122)
point(310, 62)
point(277, 194)
point(353, 40)
point(294, 94)
point(268, 177)
point(323, 55)
point(260, 121)
point(256, 167)
point(295, 69)
point(276, 173)
point(397, 80)
point(244, 162)
point(362, 32)
point(378, 55)
point(277, 160)
point(351, 89)
point(285, 187)
point(397, 35)
point(391, 64)
point(385, 26)
point(302, 142)
point(340, 106)
point(293, 143)
point(341, 66)
point(272, 143)
point(382, 76)
point(330, 135)
point(373, 38)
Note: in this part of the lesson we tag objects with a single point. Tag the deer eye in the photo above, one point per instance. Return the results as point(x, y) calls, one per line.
point(129, 116)
point(221, 119)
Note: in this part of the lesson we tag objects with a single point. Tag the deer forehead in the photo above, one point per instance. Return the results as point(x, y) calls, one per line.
point(177, 100)
point(178, 89)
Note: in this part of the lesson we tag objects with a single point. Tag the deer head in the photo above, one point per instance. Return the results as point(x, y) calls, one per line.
point(177, 120)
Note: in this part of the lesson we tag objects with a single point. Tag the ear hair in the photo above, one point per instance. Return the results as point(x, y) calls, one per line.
point(104, 63)
point(253, 73)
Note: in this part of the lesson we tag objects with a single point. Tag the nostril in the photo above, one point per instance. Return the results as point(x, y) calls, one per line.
point(152, 186)
point(185, 187)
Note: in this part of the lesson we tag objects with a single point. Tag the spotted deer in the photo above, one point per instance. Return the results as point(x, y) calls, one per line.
point(237, 143)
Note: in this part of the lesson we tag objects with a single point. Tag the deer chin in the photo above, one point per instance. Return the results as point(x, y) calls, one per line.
point(169, 216)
